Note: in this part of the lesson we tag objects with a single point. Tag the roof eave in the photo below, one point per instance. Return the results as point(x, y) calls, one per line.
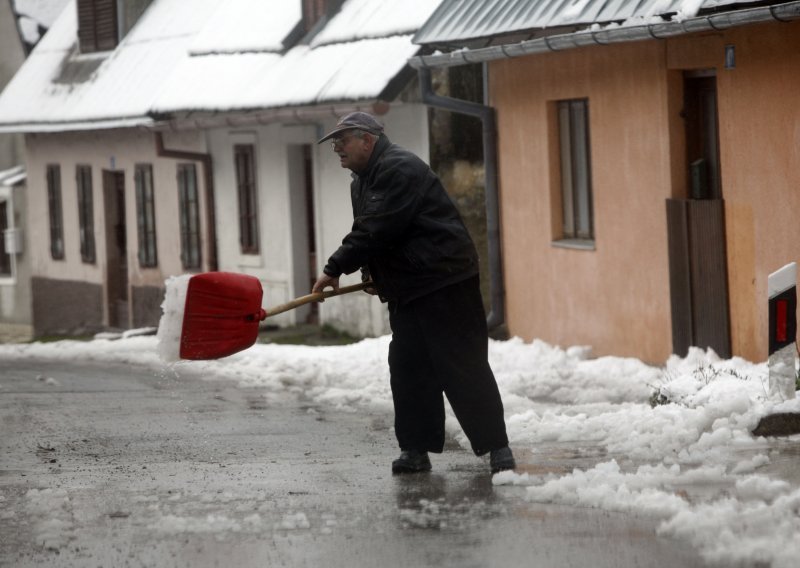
point(200, 119)
point(718, 21)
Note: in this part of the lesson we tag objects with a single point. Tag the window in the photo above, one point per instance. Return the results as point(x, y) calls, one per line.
point(86, 213)
point(5, 258)
point(244, 156)
point(55, 212)
point(146, 215)
point(576, 173)
point(98, 27)
point(189, 210)
point(103, 23)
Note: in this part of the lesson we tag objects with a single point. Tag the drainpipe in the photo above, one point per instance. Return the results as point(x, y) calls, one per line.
point(487, 115)
point(208, 176)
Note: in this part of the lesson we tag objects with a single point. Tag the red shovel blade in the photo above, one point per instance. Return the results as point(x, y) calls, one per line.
point(221, 316)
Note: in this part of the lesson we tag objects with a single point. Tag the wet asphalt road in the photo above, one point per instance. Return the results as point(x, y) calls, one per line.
point(111, 466)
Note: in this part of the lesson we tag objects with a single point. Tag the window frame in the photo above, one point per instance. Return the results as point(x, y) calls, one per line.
point(189, 214)
point(83, 181)
point(146, 216)
point(573, 148)
point(55, 211)
point(247, 196)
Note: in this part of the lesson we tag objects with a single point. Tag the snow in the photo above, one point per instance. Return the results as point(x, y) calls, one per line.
point(125, 81)
point(170, 326)
point(239, 25)
point(13, 176)
point(693, 463)
point(211, 56)
point(779, 281)
point(362, 19)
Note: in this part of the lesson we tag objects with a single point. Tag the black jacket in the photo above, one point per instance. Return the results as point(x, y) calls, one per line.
point(406, 229)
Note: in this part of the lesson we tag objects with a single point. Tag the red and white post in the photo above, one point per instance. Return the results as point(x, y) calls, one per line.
point(782, 286)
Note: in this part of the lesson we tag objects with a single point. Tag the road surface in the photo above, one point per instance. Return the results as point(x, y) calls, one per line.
point(113, 465)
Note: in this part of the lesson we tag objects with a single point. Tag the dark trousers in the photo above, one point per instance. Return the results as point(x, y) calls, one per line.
point(440, 345)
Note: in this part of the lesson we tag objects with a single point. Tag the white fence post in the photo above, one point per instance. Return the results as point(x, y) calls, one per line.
point(782, 286)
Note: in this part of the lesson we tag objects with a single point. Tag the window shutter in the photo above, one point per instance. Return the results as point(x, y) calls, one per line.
point(86, 35)
point(97, 25)
point(106, 24)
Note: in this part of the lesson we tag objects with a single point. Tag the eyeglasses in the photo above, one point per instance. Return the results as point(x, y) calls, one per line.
point(340, 141)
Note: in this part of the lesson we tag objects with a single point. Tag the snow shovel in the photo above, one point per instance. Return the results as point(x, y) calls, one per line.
point(220, 314)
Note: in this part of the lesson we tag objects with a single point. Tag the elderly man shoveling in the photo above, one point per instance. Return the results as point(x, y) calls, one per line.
point(409, 239)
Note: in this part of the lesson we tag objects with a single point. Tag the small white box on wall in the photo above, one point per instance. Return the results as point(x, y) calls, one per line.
point(13, 240)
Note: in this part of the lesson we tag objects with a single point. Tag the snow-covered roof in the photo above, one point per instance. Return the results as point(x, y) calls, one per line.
point(354, 57)
point(458, 21)
point(247, 25)
point(207, 55)
point(362, 19)
point(13, 176)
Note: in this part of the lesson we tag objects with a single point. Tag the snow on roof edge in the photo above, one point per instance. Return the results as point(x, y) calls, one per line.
point(41, 127)
point(13, 176)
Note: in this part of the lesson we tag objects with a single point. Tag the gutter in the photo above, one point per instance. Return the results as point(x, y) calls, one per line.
point(486, 113)
point(715, 22)
point(208, 177)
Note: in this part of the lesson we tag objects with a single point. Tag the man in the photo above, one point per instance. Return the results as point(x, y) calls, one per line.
point(408, 237)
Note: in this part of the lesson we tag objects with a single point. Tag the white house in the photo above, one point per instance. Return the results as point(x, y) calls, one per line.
point(21, 23)
point(168, 136)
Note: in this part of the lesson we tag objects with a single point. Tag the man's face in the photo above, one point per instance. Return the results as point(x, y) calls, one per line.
point(354, 152)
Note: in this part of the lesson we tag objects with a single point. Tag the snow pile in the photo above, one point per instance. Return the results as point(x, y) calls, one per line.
point(50, 511)
point(689, 458)
point(171, 324)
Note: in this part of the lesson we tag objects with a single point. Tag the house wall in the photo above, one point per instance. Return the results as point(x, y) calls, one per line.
point(60, 284)
point(759, 153)
point(282, 261)
point(616, 297)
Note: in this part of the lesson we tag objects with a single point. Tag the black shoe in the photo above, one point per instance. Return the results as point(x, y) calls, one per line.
point(501, 459)
point(411, 461)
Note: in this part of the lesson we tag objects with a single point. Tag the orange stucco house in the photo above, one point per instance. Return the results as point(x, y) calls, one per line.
point(648, 166)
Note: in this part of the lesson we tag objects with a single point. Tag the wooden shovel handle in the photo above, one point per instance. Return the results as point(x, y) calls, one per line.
point(307, 299)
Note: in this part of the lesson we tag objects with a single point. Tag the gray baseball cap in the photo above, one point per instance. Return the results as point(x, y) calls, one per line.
point(360, 120)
